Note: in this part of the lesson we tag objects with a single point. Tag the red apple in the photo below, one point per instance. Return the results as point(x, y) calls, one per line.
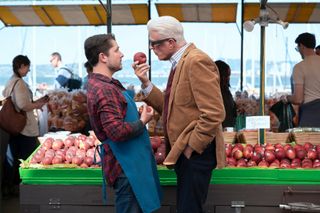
point(251, 163)
point(278, 146)
point(228, 149)
point(301, 154)
point(316, 164)
point(140, 57)
point(280, 153)
point(231, 162)
point(239, 146)
point(247, 152)
point(269, 146)
point(296, 163)
point(57, 144)
point(69, 141)
point(237, 154)
point(287, 146)
point(275, 164)
point(256, 157)
point(298, 147)
point(155, 142)
point(290, 153)
point(241, 163)
point(77, 160)
point(308, 146)
point(284, 165)
point(312, 154)
point(269, 156)
point(263, 163)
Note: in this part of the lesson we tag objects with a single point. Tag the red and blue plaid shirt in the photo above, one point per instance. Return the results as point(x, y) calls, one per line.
point(107, 109)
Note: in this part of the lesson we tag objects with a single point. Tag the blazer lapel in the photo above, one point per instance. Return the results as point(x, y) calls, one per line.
point(176, 77)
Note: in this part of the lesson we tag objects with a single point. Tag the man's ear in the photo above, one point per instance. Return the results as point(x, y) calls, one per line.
point(103, 57)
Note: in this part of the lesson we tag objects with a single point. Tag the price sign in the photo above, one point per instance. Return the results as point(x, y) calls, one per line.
point(258, 122)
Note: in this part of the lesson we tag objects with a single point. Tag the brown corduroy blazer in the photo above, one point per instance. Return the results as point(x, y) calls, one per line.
point(195, 110)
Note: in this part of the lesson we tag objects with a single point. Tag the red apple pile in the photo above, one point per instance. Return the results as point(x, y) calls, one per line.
point(159, 148)
point(278, 155)
point(78, 150)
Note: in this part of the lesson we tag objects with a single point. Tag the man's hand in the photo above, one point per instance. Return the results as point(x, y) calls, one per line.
point(146, 114)
point(188, 152)
point(141, 72)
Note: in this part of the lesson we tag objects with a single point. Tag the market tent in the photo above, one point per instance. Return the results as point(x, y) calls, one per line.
point(201, 12)
point(289, 12)
point(72, 15)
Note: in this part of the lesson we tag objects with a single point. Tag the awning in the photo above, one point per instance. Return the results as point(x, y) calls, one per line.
point(72, 15)
point(289, 12)
point(213, 12)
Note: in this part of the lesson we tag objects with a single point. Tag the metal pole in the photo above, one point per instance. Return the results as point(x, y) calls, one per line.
point(262, 80)
point(149, 50)
point(109, 16)
point(241, 54)
point(262, 132)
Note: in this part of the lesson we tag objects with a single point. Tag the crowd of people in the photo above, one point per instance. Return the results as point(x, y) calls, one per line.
point(195, 107)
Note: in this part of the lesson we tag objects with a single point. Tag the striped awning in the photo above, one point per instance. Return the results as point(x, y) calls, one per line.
point(212, 12)
point(289, 12)
point(72, 15)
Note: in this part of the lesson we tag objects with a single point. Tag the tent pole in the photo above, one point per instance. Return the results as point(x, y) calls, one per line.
point(108, 9)
point(109, 16)
point(262, 80)
point(149, 50)
point(241, 54)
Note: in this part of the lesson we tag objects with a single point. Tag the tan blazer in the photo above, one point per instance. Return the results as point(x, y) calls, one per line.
point(195, 110)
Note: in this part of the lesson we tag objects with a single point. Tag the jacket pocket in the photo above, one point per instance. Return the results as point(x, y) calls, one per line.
point(183, 95)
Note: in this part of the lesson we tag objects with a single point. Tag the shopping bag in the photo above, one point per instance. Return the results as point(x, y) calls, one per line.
point(11, 120)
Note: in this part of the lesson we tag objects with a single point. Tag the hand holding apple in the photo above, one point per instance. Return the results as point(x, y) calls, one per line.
point(146, 114)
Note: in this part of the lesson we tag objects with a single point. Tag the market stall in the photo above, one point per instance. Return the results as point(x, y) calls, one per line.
point(69, 185)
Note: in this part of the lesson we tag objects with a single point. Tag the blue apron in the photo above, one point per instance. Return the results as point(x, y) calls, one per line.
point(138, 164)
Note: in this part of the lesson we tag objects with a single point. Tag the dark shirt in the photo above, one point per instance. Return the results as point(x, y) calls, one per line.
point(107, 109)
point(230, 108)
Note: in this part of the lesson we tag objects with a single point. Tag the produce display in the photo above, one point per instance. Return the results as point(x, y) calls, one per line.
point(72, 151)
point(78, 150)
point(289, 155)
point(67, 110)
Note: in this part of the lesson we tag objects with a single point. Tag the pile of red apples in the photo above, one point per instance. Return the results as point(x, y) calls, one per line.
point(159, 148)
point(78, 150)
point(284, 156)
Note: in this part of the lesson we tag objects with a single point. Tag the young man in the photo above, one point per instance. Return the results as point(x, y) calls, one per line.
point(306, 81)
point(63, 73)
point(128, 162)
point(192, 111)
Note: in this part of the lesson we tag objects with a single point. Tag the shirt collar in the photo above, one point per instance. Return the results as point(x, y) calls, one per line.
point(104, 78)
point(175, 58)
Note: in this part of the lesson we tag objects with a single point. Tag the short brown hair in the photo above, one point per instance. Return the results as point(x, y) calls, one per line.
point(97, 44)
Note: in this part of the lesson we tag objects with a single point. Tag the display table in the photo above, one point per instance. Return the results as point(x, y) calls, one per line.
point(231, 190)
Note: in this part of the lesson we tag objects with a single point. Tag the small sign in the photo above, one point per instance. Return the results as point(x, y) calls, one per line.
point(258, 122)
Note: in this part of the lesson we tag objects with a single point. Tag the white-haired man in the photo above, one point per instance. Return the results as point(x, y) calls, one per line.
point(192, 111)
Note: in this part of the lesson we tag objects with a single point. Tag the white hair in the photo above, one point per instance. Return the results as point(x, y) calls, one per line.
point(167, 27)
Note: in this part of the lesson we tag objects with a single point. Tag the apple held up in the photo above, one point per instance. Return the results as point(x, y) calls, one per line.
point(140, 57)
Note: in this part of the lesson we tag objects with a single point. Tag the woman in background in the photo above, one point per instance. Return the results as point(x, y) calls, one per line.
point(23, 144)
point(229, 104)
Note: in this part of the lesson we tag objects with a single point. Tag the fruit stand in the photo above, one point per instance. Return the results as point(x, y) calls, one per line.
point(52, 186)
point(231, 190)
